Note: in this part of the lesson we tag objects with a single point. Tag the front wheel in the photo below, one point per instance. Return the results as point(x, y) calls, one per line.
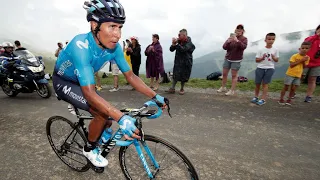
point(44, 90)
point(173, 164)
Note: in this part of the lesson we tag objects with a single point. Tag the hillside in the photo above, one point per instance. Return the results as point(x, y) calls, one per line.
point(288, 44)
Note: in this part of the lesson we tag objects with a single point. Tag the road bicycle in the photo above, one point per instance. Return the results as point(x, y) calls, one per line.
point(152, 160)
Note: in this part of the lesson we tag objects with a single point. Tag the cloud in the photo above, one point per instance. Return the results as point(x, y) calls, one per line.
point(209, 23)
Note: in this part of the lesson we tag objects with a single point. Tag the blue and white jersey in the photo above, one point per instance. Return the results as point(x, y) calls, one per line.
point(82, 57)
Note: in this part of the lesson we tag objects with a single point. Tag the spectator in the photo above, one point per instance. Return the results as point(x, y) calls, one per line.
point(294, 72)
point(183, 60)
point(312, 70)
point(98, 86)
point(125, 47)
point(1, 50)
point(266, 58)
point(60, 46)
point(154, 63)
point(235, 46)
point(18, 45)
point(115, 73)
point(134, 51)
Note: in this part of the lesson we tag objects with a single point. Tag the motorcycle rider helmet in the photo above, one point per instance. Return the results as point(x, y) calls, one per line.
point(7, 45)
point(105, 11)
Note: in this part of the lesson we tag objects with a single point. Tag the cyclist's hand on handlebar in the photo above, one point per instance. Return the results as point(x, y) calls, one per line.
point(161, 101)
point(127, 125)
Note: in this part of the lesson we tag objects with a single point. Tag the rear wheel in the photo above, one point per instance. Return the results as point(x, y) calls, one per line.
point(67, 142)
point(44, 90)
point(173, 163)
point(8, 91)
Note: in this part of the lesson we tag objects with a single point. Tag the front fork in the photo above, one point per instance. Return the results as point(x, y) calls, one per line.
point(142, 157)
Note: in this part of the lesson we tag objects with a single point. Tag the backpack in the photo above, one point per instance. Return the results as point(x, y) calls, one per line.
point(214, 76)
point(104, 75)
point(242, 79)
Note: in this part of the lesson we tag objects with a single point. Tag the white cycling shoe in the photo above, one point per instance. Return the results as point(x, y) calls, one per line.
point(95, 157)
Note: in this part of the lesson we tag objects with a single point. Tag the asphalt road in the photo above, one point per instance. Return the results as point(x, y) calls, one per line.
point(224, 137)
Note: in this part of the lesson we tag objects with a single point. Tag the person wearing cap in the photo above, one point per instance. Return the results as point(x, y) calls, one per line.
point(312, 70)
point(235, 46)
point(134, 51)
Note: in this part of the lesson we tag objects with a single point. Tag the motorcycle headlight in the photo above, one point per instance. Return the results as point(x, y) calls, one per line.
point(21, 68)
point(36, 69)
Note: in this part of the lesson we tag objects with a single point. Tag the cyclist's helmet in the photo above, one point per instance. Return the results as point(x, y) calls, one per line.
point(105, 11)
point(7, 44)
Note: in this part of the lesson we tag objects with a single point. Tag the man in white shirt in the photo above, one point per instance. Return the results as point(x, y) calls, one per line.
point(266, 59)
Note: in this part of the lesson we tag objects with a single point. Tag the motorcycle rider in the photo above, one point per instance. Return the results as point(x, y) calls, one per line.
point(8, 59)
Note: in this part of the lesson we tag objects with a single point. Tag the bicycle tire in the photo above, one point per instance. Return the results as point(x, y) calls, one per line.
point(187, 162)
point(48, 130)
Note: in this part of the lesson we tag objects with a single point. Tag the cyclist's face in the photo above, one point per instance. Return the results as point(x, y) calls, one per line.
point(109, 34)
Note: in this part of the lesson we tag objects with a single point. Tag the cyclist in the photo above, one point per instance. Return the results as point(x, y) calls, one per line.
point(85, 54)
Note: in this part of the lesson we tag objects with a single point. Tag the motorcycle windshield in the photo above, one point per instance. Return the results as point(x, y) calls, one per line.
point(27, 58)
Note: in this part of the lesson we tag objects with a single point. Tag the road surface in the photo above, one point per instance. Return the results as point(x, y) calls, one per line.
point(224, 137)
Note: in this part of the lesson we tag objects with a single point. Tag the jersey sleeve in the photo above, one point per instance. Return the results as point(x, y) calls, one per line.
point(120, 60)
point(81, 61)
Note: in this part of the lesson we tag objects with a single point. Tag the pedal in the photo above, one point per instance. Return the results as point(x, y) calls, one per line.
point(97, 169)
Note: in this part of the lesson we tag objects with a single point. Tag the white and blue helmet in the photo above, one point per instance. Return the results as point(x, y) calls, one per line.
point(105, 11)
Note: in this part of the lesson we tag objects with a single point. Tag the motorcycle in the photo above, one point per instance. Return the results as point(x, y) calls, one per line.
point(27, 76)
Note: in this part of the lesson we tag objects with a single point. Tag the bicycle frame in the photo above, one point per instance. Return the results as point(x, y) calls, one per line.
point(115, 140)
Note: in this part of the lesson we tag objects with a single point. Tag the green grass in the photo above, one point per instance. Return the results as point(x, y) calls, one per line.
point(275, 86)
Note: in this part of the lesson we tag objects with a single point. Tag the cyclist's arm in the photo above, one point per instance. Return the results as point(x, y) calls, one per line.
point(85, 75)
point(98, 103)
point(134, 80)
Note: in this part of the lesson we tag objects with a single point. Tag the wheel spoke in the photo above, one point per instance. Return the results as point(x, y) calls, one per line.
point(178, 166)
point(71, 141)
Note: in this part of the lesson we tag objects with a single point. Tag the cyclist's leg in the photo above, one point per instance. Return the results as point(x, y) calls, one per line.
point(71, 93)
point(97, 125)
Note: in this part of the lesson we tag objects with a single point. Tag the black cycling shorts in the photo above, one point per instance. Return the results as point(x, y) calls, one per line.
point(69, 92)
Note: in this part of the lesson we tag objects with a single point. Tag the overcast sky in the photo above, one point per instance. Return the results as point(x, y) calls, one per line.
point(209, 22)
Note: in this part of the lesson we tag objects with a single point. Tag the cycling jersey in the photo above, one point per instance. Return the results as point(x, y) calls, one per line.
point(82, 57)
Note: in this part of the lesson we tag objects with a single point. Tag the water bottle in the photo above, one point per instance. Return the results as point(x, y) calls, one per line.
point(106, 135)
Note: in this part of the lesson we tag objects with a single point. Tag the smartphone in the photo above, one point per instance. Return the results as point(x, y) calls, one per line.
point(232, 34)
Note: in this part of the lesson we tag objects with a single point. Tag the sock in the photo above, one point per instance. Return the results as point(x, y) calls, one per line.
point(89, 146)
